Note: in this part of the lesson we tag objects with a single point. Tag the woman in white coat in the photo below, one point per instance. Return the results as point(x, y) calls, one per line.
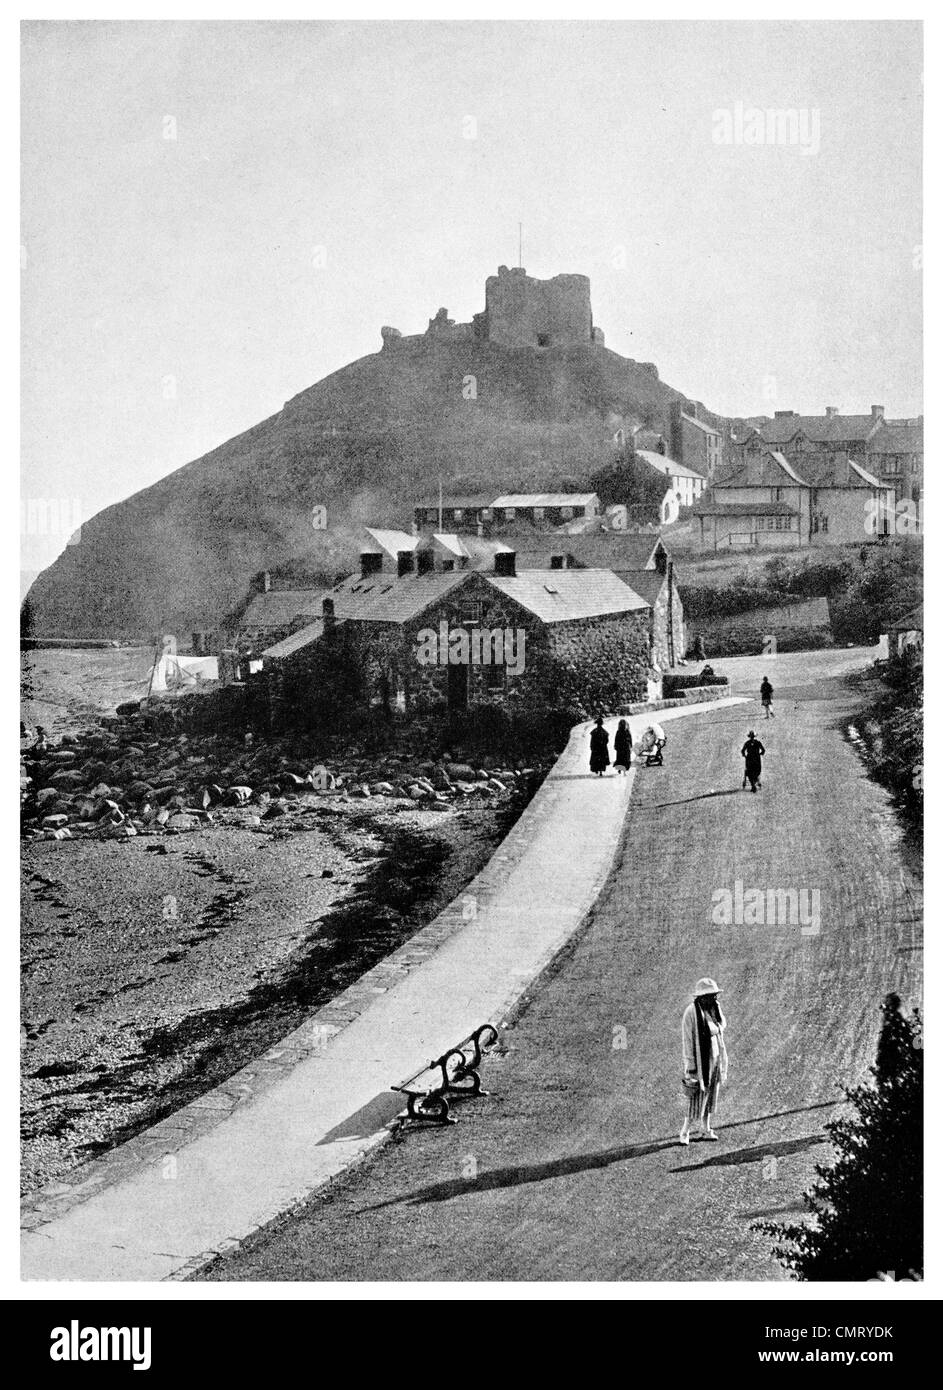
point(705, 1057)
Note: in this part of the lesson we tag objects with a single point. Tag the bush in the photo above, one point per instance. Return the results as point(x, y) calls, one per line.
point(867, 1208)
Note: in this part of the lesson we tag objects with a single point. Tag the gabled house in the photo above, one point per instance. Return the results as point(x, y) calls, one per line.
point(526, 638)
point(685, 483)
point(765, 499)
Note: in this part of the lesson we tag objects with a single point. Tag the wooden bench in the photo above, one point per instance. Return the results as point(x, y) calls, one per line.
point(455, 1072)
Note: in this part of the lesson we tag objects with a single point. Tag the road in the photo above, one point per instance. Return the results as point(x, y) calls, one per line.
point(571, 1168)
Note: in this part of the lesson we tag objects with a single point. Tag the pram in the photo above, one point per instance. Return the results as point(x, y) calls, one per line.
point(651, 744)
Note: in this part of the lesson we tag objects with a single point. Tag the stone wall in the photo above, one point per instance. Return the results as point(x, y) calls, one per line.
point(524, 312)
point(793, 627)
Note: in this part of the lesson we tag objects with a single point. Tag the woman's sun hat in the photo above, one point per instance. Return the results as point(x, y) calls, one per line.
point(706, 986)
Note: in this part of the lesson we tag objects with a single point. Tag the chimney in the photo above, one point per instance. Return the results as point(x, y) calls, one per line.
point(404, 563)
point(831, 410)
point(505, 564)
point(370, 563)
point(327, 613)
point(425, 560)
point(877, 412)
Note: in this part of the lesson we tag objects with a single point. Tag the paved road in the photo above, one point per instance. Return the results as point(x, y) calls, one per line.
point(571, 1169)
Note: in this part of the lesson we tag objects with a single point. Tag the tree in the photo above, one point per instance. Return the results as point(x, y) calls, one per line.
point(867, 1208)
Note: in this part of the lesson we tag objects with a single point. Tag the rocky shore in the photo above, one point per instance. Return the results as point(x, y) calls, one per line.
point(130, 777)
point(190, 898)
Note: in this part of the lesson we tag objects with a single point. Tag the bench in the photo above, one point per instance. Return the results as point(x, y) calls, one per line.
point(455, 1072)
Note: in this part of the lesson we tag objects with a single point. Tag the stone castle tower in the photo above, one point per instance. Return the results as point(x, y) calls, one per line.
point(519, 312)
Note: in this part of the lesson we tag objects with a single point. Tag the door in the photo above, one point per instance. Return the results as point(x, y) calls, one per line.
point(458, 687)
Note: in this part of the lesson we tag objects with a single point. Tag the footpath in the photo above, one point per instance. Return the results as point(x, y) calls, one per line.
point(166, 1202)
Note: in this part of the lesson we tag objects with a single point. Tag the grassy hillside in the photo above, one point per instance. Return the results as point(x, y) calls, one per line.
point(365, 442)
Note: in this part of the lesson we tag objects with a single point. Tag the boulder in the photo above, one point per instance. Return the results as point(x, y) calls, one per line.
point(461, 772)
point(181, 822)
point(54, 822)
point(238, 796)
point(45, 795)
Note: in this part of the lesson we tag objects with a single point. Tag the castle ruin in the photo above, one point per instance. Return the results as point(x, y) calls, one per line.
point(519, 312)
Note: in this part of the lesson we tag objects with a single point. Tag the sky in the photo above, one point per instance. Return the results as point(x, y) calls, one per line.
point(217, 215)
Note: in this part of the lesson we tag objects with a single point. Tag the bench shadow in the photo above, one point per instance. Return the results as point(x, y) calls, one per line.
point(370, 1118)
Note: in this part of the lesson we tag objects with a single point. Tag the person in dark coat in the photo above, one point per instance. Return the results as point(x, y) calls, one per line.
point(598, 749)
point(766, 697)
point(623, 747)
point(753, 751)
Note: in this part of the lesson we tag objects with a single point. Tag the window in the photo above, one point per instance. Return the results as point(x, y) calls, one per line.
point(543, 339)
point(823, 523)
point(538, 513)
point(510, 513)
point(556, 562)
point(566, 513)
point(458, 514)
point(779, 523)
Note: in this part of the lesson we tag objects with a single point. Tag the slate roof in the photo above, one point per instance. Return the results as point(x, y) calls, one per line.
point(700, 424)
point(822, 429)
point(392, 542)
point(896, 437)
point(615, 550)
point(667, 465)
point(289, 645)
point(910, 622)
point(546, 499)
point(278, 607)
point(471, 502)
point(560, 596)
point(648, 584)
point(404, 599)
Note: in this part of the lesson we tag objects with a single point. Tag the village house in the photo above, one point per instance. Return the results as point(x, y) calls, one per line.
point(765, 500)
point(273, 610)
point(484, 513)
point(685, 484)
point(640, 560)
point(527, 638)
point(890, 449)
point(694, 442)
point(895, 455)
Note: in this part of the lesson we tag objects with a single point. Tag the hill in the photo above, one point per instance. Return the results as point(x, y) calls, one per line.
point(366, 443)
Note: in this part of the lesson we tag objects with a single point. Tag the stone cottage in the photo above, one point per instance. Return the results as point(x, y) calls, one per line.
point(449, 639)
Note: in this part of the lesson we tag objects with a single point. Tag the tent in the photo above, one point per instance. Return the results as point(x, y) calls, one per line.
point(173, 673)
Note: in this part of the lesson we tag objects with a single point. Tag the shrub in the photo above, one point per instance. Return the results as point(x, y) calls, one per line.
point(867, 1208)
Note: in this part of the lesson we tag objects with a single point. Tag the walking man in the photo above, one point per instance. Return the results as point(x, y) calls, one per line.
point(766, 696)
point(753, 751)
